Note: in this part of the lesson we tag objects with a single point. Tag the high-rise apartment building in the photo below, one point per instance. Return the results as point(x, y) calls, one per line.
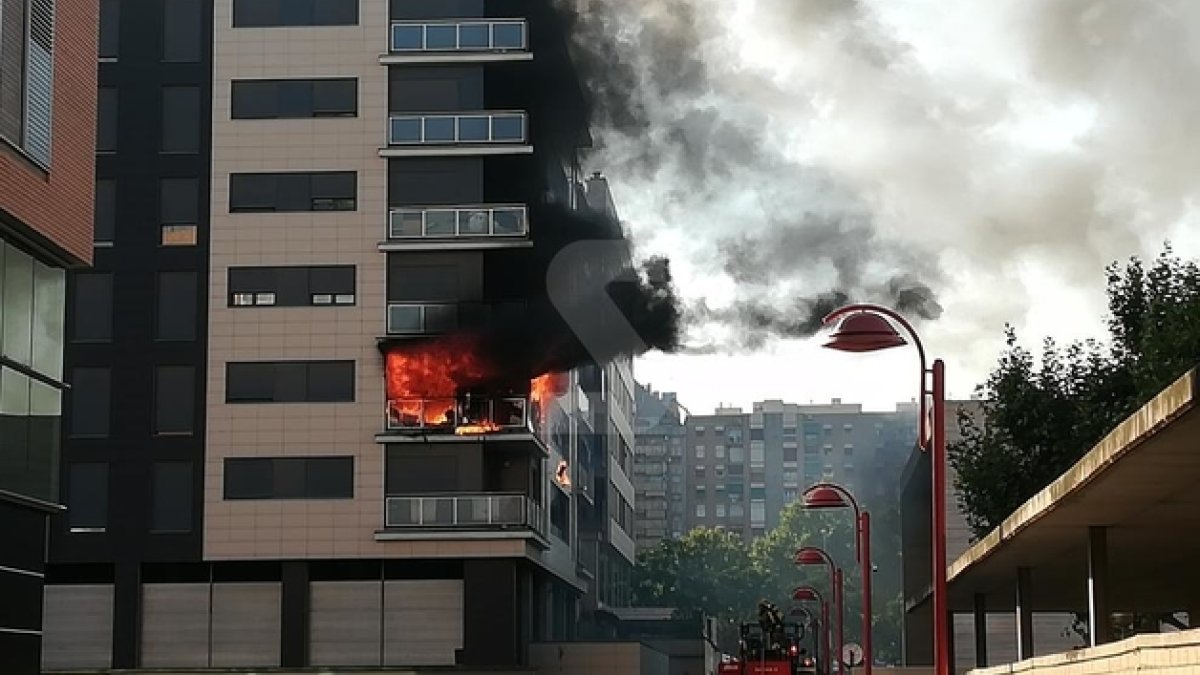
point(290, 442)
point(658, 467)
point(741, 469)
point(47, 127)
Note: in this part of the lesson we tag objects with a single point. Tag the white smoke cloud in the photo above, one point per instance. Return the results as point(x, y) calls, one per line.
point(958, 144)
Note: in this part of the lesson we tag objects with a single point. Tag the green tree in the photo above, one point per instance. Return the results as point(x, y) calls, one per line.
point(705, 572)
point(1039, 416)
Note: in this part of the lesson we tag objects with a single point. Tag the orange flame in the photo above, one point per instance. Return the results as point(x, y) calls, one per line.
point(542, 389)
point(422, 382)
point(476, 429)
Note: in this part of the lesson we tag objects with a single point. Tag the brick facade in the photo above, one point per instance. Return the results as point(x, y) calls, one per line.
point(58, 204)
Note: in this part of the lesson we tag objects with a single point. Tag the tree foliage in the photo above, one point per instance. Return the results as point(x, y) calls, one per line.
point(704, 573)
point(1038, 416)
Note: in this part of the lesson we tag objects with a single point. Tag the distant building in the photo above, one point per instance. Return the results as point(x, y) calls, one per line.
point(658, 467)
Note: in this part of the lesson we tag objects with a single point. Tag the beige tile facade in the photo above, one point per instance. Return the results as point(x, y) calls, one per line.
point(298, 528)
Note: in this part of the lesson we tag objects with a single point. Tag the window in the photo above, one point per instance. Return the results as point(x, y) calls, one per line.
point(178, 211)
point(106, 211)
point(790, 453)
point(700, 510)
point(87, 497)
point(106, 119)
point(699, 452)
point(90, 392)
point(293, 192)
point(848, 451)
point(176, 306)
point(181, 119)
point(737, 511)
point(26, 75)
point(758, 512)
point(291, 286)
point(172, 508)
point(758, 493)
point(181, 31)
point(174, 400)
point(289, 382)
point(719, 451)
point(92, 308)
point(720, 510)
point(756, 453)
point(756, 434)
point(791, 476)
point(289, 478)
point(737, 455)
point(266, 13)
point(110, 19)
point(294, 99)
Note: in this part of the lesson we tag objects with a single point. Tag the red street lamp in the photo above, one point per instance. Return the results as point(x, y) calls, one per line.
point(811, 555)
point(810, 594)
point(867, 328)
point(831, 496)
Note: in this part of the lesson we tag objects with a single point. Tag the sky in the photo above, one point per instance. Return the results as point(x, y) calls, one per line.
point(999, 154)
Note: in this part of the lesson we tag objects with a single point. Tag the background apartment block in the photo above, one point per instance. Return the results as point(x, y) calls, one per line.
point(328, 187)
point(658, 467)
point(47, 126)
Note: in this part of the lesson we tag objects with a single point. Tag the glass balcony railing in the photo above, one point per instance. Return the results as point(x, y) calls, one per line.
point(465, 512)
point(456, 128)
point(471, 35)
point(455, 222)
point(462, 416)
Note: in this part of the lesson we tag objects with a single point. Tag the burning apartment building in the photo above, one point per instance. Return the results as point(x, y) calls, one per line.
point(375, 435)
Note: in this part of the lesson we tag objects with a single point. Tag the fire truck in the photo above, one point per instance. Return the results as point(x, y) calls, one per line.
point(766, 651)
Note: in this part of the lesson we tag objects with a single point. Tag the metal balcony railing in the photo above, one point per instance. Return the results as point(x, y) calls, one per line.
point(457, 222)
point(465, 512)
point(455, 128)
point(472, 35)
point(465, 416)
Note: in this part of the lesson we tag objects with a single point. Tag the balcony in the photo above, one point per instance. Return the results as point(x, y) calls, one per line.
point(457, 41)
point(512, 512)
point(484, 226)
point(467, 133)
point(466, 416)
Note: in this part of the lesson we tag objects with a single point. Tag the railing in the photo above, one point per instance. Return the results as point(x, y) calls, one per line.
point(466, 512)
point(451, 222)
point(458, 36)
point(451, 128)
point(471, 416)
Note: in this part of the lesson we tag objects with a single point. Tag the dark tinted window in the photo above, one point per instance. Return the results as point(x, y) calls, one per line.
point(423, 9)
point(179, 201)
point(87, 495)
point(290, 478)
point(174, 400)
point(110, 17)
point(260, 13)
point(435, 89)
point(181, 119)
point(106, 210)
point(176, 306)
point(289, 382)
point(293, 192)
point(181, 30)
point(172, 511)
point(93, 307)
point(90, 392)
point(266, 99)
point(291, 286)
point(106, 119)
point(435, 181)
point(443, 277)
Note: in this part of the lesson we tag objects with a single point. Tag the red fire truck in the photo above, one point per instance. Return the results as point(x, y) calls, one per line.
point(759, 655)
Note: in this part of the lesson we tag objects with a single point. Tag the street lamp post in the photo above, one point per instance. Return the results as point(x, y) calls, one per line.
point(812, 555)
point(802, 593)
point(866, 328)
point(832, 496)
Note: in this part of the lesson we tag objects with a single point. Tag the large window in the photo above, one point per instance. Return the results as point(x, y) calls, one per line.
point(26, 75)
point(110, 20)
point(265, 13)
point(93, 307)
point(87, 497)
point(291, 286)
point(172, 508)
point(289, 478)
point(91, 390)
point(176, 315)
point(289, 382)
point(174, 400)
point(106, 119)
point(106, 211)
point(271, 99)
point(181, 119)
point(181, 30)
point(179, 211)
point(293, 192)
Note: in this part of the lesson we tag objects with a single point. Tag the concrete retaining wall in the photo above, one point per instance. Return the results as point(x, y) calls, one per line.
point(1154, 653)
point(598, 658)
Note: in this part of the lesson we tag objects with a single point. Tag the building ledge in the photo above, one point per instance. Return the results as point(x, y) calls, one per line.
point(454, 57)
point(455, 150)
point(498, 437)
point(516, 533)
point(457, 245)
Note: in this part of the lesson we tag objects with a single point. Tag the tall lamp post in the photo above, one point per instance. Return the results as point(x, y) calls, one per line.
point(868, 328)
point(808, 593)
point(812, 555)
point(831, 496)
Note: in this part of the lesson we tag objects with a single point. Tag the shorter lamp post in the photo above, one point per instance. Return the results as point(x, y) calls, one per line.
point(812, 555)
point(808, 593)
point(832, 496)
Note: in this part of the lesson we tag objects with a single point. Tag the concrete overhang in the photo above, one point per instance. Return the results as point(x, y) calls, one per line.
point(1142, 483)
